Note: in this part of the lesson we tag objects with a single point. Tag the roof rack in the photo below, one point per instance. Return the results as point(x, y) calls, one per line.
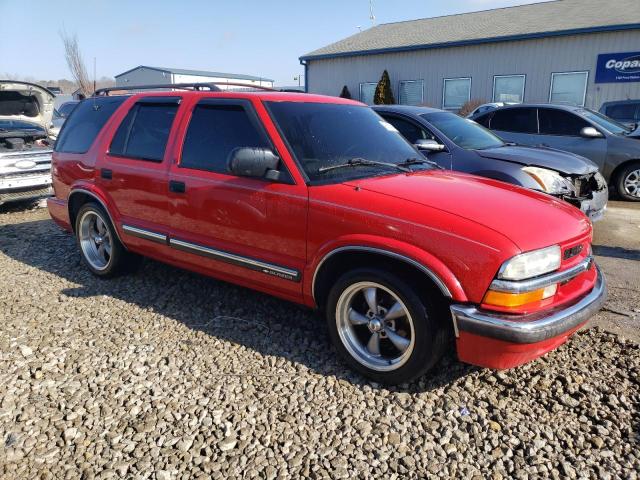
point(211, 86)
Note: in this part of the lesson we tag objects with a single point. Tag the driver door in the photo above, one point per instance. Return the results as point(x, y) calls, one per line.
point(248, 230)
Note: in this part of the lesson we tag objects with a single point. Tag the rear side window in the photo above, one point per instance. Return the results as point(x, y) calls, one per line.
point(559, 122)
point(484, 119)
point(144, 132)
point(519, 120)
point(215, 130)
point(85, 122)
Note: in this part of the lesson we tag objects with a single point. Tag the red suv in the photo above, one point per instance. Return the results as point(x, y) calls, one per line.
point(319, 201)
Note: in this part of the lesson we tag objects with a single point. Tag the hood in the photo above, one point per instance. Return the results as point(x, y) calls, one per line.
point(563, 162)
point(26, 101)
point(531, 220)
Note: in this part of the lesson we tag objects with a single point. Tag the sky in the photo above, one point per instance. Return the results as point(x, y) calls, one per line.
point(262, 38)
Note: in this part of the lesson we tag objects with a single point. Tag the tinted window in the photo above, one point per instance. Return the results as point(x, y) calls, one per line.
point(484, 119)
point(144, 131)
point(410, 130)
point(622, 111)
point(66, 108)
point(85, 122)
point(520, 120)
point(325, 135)
point(214, 132)
point(560, 122)
point(605, 122)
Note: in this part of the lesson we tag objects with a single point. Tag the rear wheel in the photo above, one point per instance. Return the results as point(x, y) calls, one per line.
point(100, 247)
point(628, 182)
point(383, 328)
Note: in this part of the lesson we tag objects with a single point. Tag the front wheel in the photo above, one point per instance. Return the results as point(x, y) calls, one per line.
point(628, 182)
point(383, 328)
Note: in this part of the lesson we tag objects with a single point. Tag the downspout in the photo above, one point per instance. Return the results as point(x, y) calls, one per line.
point(306, 70)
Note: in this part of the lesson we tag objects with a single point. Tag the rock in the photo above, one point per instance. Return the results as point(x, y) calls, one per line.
point(495, 426)
point(394, 438)
point(227, 444)
point(25, 350)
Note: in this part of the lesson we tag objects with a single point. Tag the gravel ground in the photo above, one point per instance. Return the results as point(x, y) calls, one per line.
point(167, 375)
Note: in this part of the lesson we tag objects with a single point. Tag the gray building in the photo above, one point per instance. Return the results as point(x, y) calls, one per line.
point(144, 75)
point(582, 52)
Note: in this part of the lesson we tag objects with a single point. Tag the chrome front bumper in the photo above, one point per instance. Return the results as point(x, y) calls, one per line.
point(532, 328)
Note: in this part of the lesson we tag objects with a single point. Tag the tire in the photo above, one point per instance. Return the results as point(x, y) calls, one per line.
point(628, 182)
point(100, 248)
point(352, 326)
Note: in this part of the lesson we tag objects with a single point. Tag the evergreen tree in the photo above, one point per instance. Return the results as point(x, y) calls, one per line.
point(384, 95)
point(345, 93)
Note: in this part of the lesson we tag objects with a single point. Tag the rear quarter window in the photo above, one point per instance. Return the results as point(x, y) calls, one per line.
point(85, 122)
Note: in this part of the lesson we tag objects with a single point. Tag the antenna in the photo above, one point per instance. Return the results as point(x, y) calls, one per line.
point(372, 17)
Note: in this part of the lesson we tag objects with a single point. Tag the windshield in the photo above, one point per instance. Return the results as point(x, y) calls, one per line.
point(609, 124)
point(463, 132)
point(322, 135)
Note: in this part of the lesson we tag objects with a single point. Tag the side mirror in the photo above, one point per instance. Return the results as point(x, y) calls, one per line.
point(254, 162)
point(429, 145)
point(590, 132)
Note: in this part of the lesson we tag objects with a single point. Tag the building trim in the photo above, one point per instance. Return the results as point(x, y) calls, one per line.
point(475, 41)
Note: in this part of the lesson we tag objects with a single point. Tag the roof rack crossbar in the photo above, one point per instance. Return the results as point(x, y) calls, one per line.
point(201, 86)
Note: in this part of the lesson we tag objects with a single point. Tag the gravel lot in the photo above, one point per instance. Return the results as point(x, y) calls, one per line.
point(166, 375)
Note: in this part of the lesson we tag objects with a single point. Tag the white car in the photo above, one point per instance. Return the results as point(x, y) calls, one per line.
point(485, 107)
point(25, 143)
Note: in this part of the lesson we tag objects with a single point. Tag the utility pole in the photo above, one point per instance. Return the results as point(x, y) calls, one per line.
point(372, 17)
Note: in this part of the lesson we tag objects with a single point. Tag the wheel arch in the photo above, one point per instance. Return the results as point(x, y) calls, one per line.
point(80, 196)
point(341, 259)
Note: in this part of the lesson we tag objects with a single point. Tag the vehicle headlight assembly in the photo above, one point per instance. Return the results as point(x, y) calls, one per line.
point(531, 264)
point(550, 181)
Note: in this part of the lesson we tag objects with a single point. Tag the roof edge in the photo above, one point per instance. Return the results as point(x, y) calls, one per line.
point(475, 41)
point(252, 78)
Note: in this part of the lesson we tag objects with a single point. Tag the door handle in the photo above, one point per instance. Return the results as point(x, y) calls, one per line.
point(177, 187)
point(106, 173)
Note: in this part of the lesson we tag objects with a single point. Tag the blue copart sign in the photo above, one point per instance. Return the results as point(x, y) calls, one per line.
point(618, 67)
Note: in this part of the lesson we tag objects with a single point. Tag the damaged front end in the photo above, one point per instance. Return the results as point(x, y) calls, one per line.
point(25, 144)
point(589, 193)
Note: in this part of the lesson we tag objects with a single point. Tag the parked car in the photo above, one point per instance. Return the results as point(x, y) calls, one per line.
point(319, 201)
point(486, 107)
point(55, 90)
point(457, 143)
point(60, 114)
point(607, 143)
point(623, 111)
point(25, 145)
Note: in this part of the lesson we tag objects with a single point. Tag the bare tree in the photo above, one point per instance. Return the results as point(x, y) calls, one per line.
point(75, 62)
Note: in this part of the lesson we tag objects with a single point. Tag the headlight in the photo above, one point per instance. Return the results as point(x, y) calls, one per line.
point(531, 264)
point(550, 181)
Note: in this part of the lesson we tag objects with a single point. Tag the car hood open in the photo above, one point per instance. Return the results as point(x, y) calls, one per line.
point(563, 162)
point(529, 219)
point(27, 102)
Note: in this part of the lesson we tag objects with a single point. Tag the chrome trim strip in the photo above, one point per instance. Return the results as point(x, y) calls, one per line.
point(443, 288)
point(253, 264)
point(532, 284)
point(143, 233)
point(96, 198)
point(535, 327)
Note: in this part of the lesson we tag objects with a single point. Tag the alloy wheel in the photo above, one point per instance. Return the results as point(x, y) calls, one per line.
point(375, 326)
point(631, 183)
point(95, 240)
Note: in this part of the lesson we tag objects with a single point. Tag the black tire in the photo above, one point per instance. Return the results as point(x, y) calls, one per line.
point(633, 170)
point(431, 332)
point(118, 261)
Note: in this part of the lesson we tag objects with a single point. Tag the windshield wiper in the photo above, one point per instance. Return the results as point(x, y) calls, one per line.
point(363, 162)
point(419, 161)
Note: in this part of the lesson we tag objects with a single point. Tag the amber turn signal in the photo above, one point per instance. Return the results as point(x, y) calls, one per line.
point(511, 300)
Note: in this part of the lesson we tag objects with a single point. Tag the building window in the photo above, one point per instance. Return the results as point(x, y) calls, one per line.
point(367, 92)
point(569, 87)
point(410, 92)
point(456, 92)
point(508, 88)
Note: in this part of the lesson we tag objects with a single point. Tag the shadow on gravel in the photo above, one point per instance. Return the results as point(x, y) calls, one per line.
point(616, 252)
point(262, 323)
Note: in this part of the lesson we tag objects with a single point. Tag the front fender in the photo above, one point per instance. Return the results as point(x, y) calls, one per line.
point(442, 276)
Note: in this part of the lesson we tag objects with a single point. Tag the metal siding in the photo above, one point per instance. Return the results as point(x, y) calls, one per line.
point(143, 76)
point(537, 59)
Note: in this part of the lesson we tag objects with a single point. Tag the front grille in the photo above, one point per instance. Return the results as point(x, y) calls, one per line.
point(23, 195)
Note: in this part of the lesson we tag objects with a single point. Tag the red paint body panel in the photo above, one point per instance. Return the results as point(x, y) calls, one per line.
point(461, 227)
point(492, 353)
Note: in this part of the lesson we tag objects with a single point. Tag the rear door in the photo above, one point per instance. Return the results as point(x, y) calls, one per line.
point(561, 129)
point(135, 169)
point(248, 230)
